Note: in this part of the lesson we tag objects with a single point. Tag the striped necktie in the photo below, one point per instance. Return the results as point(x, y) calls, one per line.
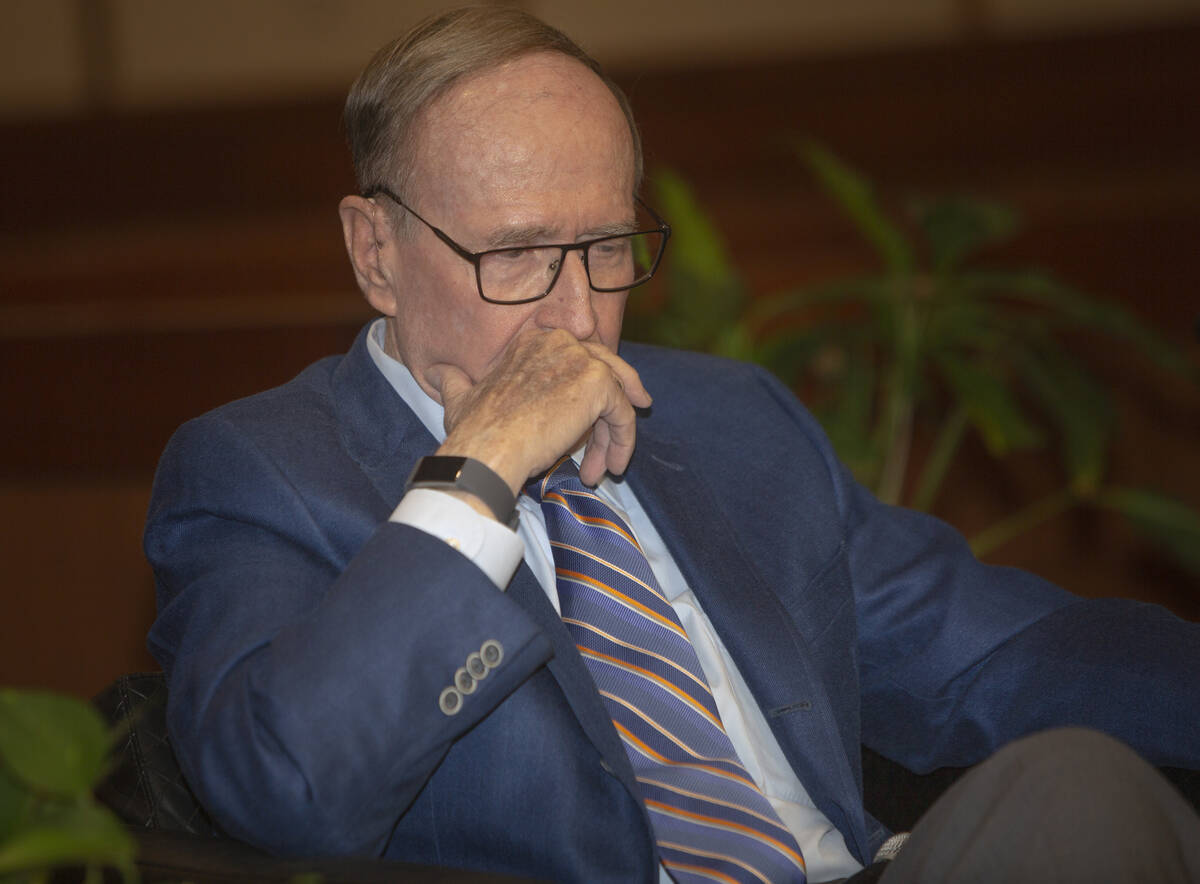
point(711, 822)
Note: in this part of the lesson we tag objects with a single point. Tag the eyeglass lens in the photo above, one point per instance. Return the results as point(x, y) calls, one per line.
point(613, 263)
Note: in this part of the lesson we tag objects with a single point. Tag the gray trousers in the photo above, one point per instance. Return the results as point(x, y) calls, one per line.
point(1067, 805)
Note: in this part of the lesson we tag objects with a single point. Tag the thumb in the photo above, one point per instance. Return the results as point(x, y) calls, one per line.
point(450, 381)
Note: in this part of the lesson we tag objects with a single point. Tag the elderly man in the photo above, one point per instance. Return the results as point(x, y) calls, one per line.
point(469, 595)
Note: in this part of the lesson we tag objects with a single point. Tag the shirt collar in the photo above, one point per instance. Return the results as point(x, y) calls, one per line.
point(430, 413)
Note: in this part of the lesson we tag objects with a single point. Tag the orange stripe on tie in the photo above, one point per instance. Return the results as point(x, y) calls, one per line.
point(728, 825)
point(662, 730)
point(609, 565)
point(550, 472)
point(616, 641)
point(657, 679)
point(711, 800)
point(646, 750)
point(592, 520)
point(620, 597)
point(590, 495)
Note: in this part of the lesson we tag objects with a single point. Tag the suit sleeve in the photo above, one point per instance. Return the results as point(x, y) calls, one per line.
point(305, 678)
point(957, 657)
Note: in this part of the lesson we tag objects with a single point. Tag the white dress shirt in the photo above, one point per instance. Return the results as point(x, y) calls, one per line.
point(498, 551)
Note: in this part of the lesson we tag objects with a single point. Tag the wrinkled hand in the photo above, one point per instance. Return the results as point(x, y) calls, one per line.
point(547, 392)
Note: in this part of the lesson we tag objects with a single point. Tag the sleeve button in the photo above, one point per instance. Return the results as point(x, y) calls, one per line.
point(450, 701)
point(492, 652)
point(476, 666)
point(463, 681)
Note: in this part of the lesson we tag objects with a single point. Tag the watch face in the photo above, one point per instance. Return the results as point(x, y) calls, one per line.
point(439, 469)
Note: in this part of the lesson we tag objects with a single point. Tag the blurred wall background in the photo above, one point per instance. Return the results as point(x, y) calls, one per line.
point(66, 56)
point(169, 239)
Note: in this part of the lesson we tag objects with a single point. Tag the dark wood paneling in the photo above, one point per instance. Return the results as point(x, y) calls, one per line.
point(117, 168)
point(105, 405)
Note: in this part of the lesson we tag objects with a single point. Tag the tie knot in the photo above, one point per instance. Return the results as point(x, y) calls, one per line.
point(563, 474)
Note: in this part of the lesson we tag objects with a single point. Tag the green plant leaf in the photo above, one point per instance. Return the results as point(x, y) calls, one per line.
point(848, 420)
point(1082, 311)
point(941, 455)
point(693, 315)
point(14, 804)
point(951, 320)
point(990, 406)
point(1173, 525)
point(848, 295)
point(1079, 407)
point(1023, 520)
point(787, 354)
point(696, 246)
point(958, 227)
point(853, 194)
point(1000, 325)
point(50, 742)
point(75, 834)
point(734, 342)
point(703, 293)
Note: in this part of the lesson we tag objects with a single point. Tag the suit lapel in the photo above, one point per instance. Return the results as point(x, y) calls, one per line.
point(377, 427)
point(769, 652)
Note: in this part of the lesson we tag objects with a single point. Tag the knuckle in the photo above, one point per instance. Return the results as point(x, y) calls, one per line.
point(597, 372)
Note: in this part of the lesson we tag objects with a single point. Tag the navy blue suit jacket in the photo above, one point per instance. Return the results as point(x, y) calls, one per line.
point(307, 639)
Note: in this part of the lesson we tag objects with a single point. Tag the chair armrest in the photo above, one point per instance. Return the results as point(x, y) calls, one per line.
point(144, 785)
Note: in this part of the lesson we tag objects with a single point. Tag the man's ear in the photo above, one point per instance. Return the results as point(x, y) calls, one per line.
point(367, 231)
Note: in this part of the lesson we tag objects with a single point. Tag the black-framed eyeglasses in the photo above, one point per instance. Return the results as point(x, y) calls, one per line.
point(520, 274)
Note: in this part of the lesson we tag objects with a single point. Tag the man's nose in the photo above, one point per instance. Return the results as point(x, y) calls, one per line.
point(569, 304)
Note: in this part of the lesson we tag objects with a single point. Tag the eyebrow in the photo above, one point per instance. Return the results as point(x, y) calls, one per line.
point(613, 229)
point(517, 236)
point(538, 235)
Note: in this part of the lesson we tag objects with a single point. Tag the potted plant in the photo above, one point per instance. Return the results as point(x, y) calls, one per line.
point(969, 349)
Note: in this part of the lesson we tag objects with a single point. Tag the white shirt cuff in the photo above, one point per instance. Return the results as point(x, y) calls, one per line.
point(494, 548)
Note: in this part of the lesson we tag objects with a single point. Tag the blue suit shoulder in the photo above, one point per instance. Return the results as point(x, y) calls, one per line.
point(731, 411)
point(692, 383)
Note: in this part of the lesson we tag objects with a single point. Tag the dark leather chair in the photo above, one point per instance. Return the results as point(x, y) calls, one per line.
point(179, 841)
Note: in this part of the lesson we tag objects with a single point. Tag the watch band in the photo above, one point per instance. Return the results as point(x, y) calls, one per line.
point(467, 474)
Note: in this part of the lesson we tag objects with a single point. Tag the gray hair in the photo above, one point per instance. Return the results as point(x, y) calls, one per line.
point(412, 71)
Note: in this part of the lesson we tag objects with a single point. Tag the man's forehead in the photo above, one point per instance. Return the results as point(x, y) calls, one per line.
point(515, 126)
point(527, 78)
